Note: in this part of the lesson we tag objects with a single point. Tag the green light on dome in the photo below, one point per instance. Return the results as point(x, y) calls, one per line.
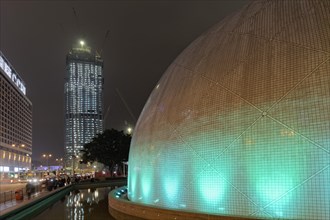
point(171, 188)
point(273, 167)
point(131, 183)
point(211, 188)
point(146, 182)
point(274, 186)
point(273, 190)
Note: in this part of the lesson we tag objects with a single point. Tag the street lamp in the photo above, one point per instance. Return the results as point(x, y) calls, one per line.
point(73, 158)
point(47, 156)
point(59, 161)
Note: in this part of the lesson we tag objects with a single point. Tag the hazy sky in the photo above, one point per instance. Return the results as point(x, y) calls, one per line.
point(144, 38)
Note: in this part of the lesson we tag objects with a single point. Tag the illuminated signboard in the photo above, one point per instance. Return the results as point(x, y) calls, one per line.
point(12, 75)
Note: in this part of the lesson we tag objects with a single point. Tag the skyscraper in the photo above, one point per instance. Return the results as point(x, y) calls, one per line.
point(83, 99)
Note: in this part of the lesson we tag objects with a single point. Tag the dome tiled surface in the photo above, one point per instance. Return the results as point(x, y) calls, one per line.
point(239, 124)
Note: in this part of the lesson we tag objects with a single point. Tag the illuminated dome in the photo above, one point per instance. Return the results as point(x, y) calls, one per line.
point(239, 124)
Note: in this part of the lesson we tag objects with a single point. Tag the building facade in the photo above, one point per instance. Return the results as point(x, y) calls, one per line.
point(239, 123)
point(83, 100)
point(15, 123)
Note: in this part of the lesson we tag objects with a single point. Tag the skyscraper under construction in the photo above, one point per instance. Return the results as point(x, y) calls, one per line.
point(83, 99)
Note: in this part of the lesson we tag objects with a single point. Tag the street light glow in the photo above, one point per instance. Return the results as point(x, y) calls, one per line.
point(82, 43)
point(47, 156)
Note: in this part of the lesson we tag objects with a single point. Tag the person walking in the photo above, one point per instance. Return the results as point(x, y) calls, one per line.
point(68, 180)
point(28, 190)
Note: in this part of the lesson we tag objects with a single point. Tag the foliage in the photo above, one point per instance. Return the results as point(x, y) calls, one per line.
point(110, 147)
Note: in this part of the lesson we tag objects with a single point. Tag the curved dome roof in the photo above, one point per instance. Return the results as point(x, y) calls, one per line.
point(239, 123)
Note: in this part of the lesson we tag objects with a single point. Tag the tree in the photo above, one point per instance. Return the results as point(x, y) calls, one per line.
point(110, 148)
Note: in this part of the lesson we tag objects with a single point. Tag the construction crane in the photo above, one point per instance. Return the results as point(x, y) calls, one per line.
point(126, 105)
point(103, 43)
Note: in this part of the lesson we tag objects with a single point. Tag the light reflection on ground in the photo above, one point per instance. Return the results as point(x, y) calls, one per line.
point(79, 205)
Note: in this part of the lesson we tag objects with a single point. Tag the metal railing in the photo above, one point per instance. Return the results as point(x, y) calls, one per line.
point(9, 196)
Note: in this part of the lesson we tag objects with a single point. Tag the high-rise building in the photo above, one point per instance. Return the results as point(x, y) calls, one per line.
point(15, 123)
point(83, 99)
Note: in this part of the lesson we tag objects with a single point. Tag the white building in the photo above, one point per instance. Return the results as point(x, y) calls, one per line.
point(15, 123)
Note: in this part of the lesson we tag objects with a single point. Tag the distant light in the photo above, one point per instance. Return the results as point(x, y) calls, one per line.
point(129, 130)
point(82, 43)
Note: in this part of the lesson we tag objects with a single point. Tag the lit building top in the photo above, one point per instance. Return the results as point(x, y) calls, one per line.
point(12, 75)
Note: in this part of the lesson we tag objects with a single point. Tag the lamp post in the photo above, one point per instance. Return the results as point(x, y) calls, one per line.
point(59, 161)
point(125, 163)
point(47, 156)
point(73, 158)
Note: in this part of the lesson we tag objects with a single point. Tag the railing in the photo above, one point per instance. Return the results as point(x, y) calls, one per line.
point(10, 196)
point(7, 196)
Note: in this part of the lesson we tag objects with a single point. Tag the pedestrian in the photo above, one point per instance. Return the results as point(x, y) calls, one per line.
point(68, 180)
point(28, 190)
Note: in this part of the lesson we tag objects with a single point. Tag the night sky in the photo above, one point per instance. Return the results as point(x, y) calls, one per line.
point(144, 38)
